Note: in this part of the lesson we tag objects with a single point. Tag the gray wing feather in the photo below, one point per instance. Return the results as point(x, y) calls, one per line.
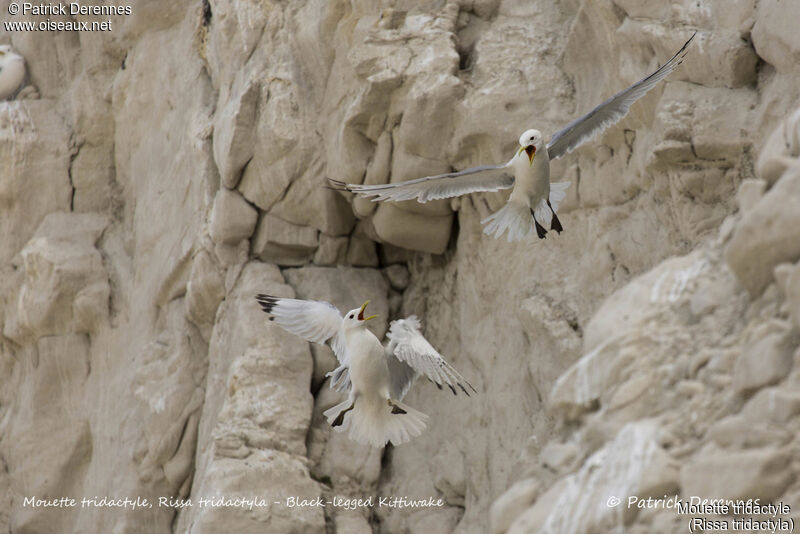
point(611, 111)
point(451, 184)
point(409, 347)
point(340, 378)
point(401, 375)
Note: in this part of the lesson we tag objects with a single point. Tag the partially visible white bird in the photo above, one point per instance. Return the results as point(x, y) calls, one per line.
point(12, 72)
point(378, 377)
point(534, 199)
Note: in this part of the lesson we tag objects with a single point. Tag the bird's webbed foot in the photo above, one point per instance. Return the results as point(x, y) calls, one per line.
point(396, 410)
point(540, 231)
point(555, 224)
point(340, 418)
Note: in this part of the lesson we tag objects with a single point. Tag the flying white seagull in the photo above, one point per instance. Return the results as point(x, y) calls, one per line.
point(534, 200)
point(378, 376)
point(12, 72)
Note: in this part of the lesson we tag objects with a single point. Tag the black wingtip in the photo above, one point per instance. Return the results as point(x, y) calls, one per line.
point(337, 185)
point(684, 48)
point(686, 44)
point(452, 389)
point(267, 302)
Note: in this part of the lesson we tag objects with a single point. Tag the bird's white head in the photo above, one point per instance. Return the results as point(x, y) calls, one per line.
point(7, 53)
point(355, 318)
point(530, 142)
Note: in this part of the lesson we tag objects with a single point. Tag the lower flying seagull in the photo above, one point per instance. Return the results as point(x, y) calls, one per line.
point(534, 200)
point(378, 377)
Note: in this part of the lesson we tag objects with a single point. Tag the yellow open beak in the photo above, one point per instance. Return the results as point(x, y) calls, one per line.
point(361, 313)
point(531, 151)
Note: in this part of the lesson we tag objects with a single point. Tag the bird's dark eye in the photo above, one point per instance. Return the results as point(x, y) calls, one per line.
point(350, 316)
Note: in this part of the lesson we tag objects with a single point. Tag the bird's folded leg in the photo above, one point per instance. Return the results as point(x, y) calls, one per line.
point(555, 224)
point(540, 231)
point(396, 410)
point(340, 418)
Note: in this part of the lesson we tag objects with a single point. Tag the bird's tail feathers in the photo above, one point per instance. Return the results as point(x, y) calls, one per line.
point(558, 192)
point(543, 213)
point(375, 423)
point(514, 217)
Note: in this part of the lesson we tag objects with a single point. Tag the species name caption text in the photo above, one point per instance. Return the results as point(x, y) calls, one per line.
point(717, 515)
point(245, 503)
point(55, 17)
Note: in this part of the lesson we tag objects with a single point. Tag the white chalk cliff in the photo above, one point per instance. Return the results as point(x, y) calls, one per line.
point(173, 168)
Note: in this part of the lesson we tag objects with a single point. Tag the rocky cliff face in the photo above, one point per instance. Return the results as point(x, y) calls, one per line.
point(172, 168)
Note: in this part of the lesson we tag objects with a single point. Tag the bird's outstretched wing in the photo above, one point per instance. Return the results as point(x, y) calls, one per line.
point(313, 320)
point(415, 356)
point(611, 111)
point(451, 184)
